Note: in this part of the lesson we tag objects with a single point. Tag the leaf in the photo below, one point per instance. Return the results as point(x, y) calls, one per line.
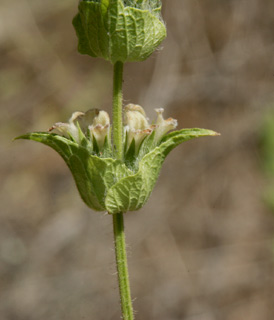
point(173, 139)
point(117, 32)
point(93, 175)
point(132, 192)
point(83, 43)
point(106, 184)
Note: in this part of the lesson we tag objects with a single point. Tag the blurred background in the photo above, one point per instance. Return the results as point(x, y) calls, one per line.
point(203, 246)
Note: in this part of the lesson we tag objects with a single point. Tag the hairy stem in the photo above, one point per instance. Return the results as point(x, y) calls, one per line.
point(117, 113)
point(122, 269)
point(118, 219)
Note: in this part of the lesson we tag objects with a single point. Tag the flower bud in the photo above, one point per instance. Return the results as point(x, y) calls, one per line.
point(100, 128)
point(119, 30)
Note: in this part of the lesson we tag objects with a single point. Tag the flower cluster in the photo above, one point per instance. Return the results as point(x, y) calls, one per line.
point(104, 182)
point(137, 127)
point(93, 127)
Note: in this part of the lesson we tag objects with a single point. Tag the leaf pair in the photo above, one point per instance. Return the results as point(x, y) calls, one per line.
point(107, 184)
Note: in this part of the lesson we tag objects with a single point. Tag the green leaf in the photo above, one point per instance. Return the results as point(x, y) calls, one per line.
point(106, 184)
point(130, 154)
point(93, 175)
point(83, 44)
point(173, 139)
point(117, 32)
point(132, 192)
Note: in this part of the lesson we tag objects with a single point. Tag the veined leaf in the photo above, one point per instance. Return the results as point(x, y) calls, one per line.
point(132, 192)
point(116, 31)
point(93, 175)
point(106, 184)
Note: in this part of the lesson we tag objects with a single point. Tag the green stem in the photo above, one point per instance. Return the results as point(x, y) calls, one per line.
point(121, 262)
point(118, 219)
point(117, 111)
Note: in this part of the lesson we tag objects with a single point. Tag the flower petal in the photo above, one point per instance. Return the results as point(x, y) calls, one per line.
point(137, 126)
point(162, 125)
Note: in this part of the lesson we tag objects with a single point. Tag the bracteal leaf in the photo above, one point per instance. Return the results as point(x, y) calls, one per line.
point(174, 138)
point(106, 184)
point(93, 175)
point(132, 192)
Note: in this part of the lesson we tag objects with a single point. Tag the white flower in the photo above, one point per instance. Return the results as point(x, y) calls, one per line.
point(137, 126)
point(95, 121)
point(162, 125)
point(92, 128)
point(70, 129)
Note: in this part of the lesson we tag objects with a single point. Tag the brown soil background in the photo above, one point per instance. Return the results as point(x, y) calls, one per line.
point(202, 248)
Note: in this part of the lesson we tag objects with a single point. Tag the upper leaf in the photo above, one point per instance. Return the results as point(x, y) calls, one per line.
point(119, 30)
